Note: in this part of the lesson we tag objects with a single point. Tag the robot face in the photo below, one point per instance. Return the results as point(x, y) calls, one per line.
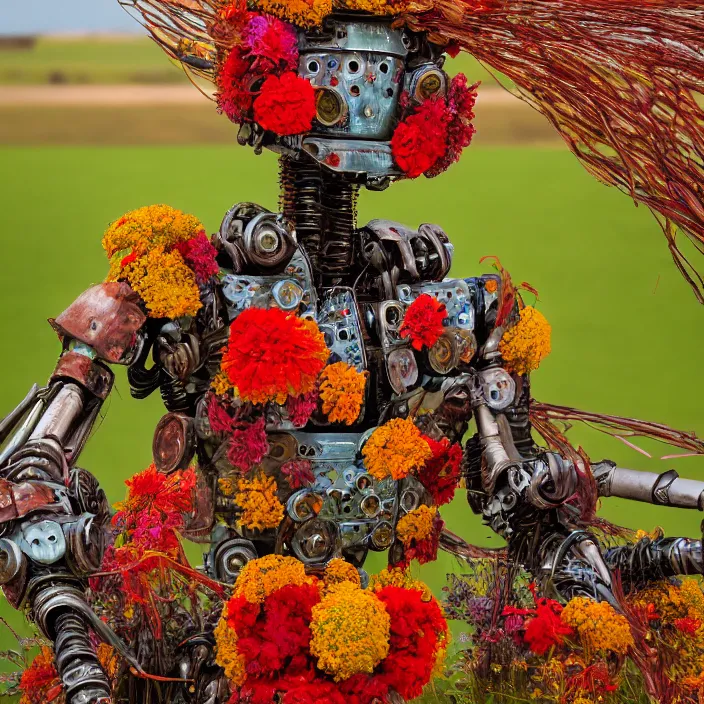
point(359, 70)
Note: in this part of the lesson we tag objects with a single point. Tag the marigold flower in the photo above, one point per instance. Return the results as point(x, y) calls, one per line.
point(152, 226)
point(416, 524)
point(164, 282)
point(260, 578)
point(342, 392)
point(338, 570)
point(524, 346)
point(423, 320)
point(395, 449)
point(256, 498)
point(302, 13)
point(350, 631)
point(397, 577)
point(227, 654)
point(272, 355)
point(598, 625)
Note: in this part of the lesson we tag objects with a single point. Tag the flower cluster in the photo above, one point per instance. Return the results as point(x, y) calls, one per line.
point(419, 532)
point(441, 473)
point(598, 626)
point(423, 321)
point(40, 682)
point(163, 254)
point(260, 507)
point(649, 646)
point(272, 355)
point(342, 392)
point(433, 134)
point(256, 78)
point(525, 345)
point(395, 449)
point(285, 636)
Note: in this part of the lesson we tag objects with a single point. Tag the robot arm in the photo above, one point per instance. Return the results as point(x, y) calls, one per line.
point(52, 513)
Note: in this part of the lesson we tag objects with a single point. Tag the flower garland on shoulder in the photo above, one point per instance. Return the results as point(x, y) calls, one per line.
point(163, 254)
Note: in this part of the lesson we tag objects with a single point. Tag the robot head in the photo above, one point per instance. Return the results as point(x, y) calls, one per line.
point(363, 72)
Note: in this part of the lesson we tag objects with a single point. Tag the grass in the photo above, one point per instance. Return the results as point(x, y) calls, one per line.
point(627, 333)
point(118, 60)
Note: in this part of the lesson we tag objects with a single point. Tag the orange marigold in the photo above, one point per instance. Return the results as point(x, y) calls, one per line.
point(142, 246)
point(416, 524)
point(302, 13)
point(396, 577)
point(272, 355)
point(598, 625)
point(339, 570)
point(524, 346)
point(342, 392)
point(395, 449)
point(152, 226)
point(261, 508)
point(227, 655)
point(165, 283)
point(262, 577)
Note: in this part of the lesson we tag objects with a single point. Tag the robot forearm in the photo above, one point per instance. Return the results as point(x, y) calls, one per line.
point(666, 489)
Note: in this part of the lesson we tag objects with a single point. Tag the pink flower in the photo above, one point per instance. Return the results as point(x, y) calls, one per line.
point(301, 408)
point(299, 473)
point(220, 420)
point(248, 446)
point(200, 255)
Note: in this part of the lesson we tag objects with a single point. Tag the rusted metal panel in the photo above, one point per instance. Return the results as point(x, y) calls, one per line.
point(89, 374)
point(106, 317)
point(17, 500)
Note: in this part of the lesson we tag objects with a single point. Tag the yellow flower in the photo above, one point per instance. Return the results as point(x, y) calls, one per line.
point(395, 449)
point(396, 577)
point(302, 13)
point(693, 598)
point(338, 571)
point(416, 525)
point(525, 345)
point(342, 392)
point(165, 283)
point(152, 226)
point(221, 384)
point(598, 625)
point(140, 247)
point(228, 485)
point(350, 631)
point(262, 577)
point(227, 655)
point(256, 497)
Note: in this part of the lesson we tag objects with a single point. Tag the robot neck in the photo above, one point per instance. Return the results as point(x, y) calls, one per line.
point(323, 207)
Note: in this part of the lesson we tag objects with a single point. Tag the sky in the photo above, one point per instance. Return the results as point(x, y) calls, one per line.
point(51, 16)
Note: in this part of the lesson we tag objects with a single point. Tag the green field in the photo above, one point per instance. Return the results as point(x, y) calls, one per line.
point(118, 60)
point(627, 333)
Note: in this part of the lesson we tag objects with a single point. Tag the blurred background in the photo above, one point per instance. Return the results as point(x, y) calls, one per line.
point(95, 121)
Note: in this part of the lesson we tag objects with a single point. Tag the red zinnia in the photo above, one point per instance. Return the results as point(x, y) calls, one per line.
point(200, 255)
point(423, 321)
point(285, 105)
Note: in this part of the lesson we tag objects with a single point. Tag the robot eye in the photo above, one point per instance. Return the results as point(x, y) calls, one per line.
point(354, 90)
point(313, 66)
point(354, 66)
point(384, 67)
point(429, 84)
point(329, 107)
